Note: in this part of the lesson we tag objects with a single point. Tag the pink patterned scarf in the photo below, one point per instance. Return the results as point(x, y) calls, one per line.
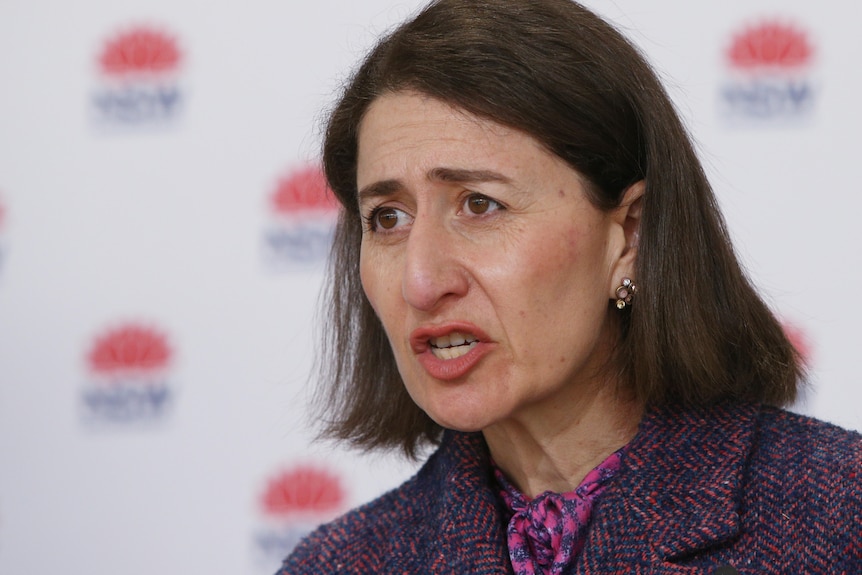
point(546, 534)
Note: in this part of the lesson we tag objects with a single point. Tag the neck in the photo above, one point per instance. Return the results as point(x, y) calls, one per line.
point(553, 448)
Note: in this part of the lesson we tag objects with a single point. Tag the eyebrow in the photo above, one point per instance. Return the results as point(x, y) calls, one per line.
point(447, 175)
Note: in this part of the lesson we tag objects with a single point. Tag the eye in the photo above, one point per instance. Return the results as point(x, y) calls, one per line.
point(478, 204)
point(386, 218)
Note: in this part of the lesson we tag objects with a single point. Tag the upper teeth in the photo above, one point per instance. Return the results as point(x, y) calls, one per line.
point(453, 339)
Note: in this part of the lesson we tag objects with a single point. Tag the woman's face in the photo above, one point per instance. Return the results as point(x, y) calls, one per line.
point(488, 266)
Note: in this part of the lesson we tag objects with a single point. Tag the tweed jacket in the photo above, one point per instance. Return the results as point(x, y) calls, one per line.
point(755, 488)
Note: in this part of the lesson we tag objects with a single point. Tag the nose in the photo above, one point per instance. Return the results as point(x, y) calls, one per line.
point(433, 273)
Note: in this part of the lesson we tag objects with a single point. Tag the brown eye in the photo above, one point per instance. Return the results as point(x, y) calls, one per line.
point(386, 219)
point(478, 204)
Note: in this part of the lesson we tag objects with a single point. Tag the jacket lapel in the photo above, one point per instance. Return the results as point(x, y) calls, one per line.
point(678, 492)
point(470, 537)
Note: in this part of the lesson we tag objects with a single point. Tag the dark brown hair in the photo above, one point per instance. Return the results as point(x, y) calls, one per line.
point(697, 332)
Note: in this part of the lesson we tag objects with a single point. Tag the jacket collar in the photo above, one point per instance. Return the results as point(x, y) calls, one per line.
point(679, 490)
point(471, 537)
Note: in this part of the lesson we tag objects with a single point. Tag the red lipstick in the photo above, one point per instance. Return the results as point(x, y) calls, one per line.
point(448, 369)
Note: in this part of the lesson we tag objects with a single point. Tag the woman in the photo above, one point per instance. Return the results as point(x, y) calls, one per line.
point(530, 272)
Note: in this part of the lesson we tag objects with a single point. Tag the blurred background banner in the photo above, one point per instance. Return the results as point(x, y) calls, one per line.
point(163, 233)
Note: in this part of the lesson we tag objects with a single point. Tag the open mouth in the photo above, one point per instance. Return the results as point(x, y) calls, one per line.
point(453, 345)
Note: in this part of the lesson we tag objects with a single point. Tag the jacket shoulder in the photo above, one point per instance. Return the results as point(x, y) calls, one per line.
point(804, 485)
point(787, 441)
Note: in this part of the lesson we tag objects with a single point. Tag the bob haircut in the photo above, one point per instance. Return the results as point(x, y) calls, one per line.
point(697, 332)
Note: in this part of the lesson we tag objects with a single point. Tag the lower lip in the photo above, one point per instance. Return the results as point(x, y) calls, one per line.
point(451, 369)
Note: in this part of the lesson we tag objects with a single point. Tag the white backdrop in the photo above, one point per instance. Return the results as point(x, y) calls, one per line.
point(161, 248)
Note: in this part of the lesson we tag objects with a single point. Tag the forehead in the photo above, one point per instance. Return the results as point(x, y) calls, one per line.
point(403, 111)
point(406, 127)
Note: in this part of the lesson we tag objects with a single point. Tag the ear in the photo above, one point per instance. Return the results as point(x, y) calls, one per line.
point(628, 217)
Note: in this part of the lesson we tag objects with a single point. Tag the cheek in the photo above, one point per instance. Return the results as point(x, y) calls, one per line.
point(526, 280)
point(562, 271)
point(379, 281)
point(368, 279)
point(589, 254)
point(552, 255)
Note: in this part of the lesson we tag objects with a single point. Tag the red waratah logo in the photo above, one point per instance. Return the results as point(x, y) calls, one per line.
point(139, 83)
point(128, 383)
point(303, 212)
point(304, 190)
point(770, 45)
point(141, 50)
point(770, 73)
point(294, 502)
point(129, 349)
point(304, 490)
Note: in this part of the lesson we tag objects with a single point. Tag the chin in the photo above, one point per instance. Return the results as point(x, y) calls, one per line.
point(467, 405)
point(461, 416)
